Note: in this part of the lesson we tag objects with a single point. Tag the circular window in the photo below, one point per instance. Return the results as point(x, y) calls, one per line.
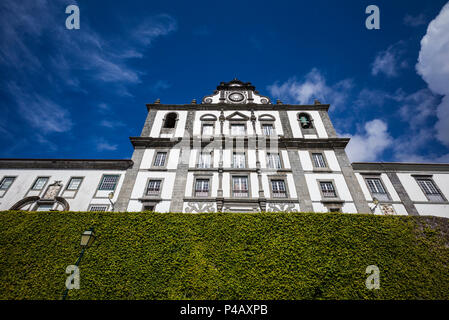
point(236, 97)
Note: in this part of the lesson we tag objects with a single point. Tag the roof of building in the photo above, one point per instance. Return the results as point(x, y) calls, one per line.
point(399, 166)
point(96, 164)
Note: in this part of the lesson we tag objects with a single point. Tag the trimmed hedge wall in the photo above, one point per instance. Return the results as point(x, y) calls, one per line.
point(224, 256)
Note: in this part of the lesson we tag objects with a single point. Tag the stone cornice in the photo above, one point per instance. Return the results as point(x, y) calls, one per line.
point(396, 166)
point(247, 106)
point(329, 143)
point(95, 164)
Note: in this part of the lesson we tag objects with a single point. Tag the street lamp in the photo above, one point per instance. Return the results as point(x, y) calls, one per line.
point(376, 202)
point(110, 196)
point(87, 238)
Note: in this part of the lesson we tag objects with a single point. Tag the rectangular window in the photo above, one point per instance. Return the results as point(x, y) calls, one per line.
point(430, 190)
point(159, 161)
point(74, 184)
point(39, 183)
point(202, 188)
point(377, 189)
point(240, 187)
point(204, 160)
point(274, 161)
point(98, 207)
point(238, 160)
point(278, 189)
point(208, 130)
point(237, 129)
point(108, 182)
point(268, 129)
point(328, 190)
point(154, 187)
point(318, 160)
point(6, 183)
point(44, 207)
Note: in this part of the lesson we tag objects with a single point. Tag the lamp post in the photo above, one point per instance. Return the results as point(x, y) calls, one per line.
point(110, 196)
point(87, 238)
point(376, 202)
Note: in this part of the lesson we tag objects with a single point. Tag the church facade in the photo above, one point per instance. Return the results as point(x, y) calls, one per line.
point(235, 151)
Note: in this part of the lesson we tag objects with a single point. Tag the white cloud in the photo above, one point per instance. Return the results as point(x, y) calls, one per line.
point(313, 86)
point(433, 66)
point(111, 123)
point(369, 144)
point(103, 145)
point(41, 112)
point(414, 21)
point(389, 61)
point(154, 27)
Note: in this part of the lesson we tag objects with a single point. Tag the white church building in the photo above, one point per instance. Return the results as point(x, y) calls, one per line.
point(236, 151)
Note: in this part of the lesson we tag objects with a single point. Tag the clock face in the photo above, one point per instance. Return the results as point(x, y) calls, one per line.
point(236, 97)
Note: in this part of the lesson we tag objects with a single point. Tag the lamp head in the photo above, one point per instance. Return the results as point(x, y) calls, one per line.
point(111, 195)
point(87, 238)
point(375, 201)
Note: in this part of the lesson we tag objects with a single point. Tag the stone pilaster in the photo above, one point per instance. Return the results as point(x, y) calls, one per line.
point(351, 181)
point(146, 130)
point(327, 124)
point(305, 203)
point(285, 124)
point(403, 195)
point(128, 183)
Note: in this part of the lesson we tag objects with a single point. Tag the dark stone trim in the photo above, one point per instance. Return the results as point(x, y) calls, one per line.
point(403, 195)
point(329, 143)
point(286, 128)
point(351, 181)
point(129, 181)
point(397, 166)
point(146, 130)
point(225, 106)
point(327, 124)
point(302, 190)
point(94, 164)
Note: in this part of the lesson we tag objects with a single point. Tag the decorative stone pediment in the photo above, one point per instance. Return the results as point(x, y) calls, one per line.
point(236, 92)
point(237, 116)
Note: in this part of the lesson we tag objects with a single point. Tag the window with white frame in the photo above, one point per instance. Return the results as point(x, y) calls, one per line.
point(208, 129)
point(108, 182)
point(39, 183)
point(202, 188)
point(318, 160)
point(268, 129)
point(328, 190)
point(238, 160)
point(240, 187)
point(204, 160)
point(74, 183)
point(238, 129)
point(6, 183)
point(44, 207)
point(274, 161)
point(430, 189)
point(154, 188)
point(278, 189)
point(159, 160)
point(377, 189)
point(98, 207)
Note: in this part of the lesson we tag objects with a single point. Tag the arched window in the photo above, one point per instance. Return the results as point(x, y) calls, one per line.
point(170, 120)
point(305, 121)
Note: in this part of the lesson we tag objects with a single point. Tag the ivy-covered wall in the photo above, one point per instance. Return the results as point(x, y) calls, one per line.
point(224, 256)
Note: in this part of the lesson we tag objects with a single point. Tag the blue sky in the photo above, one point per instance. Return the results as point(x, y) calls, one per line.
point(82, 93)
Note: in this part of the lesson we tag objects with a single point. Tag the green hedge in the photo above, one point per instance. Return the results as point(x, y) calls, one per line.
point(224, 256)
